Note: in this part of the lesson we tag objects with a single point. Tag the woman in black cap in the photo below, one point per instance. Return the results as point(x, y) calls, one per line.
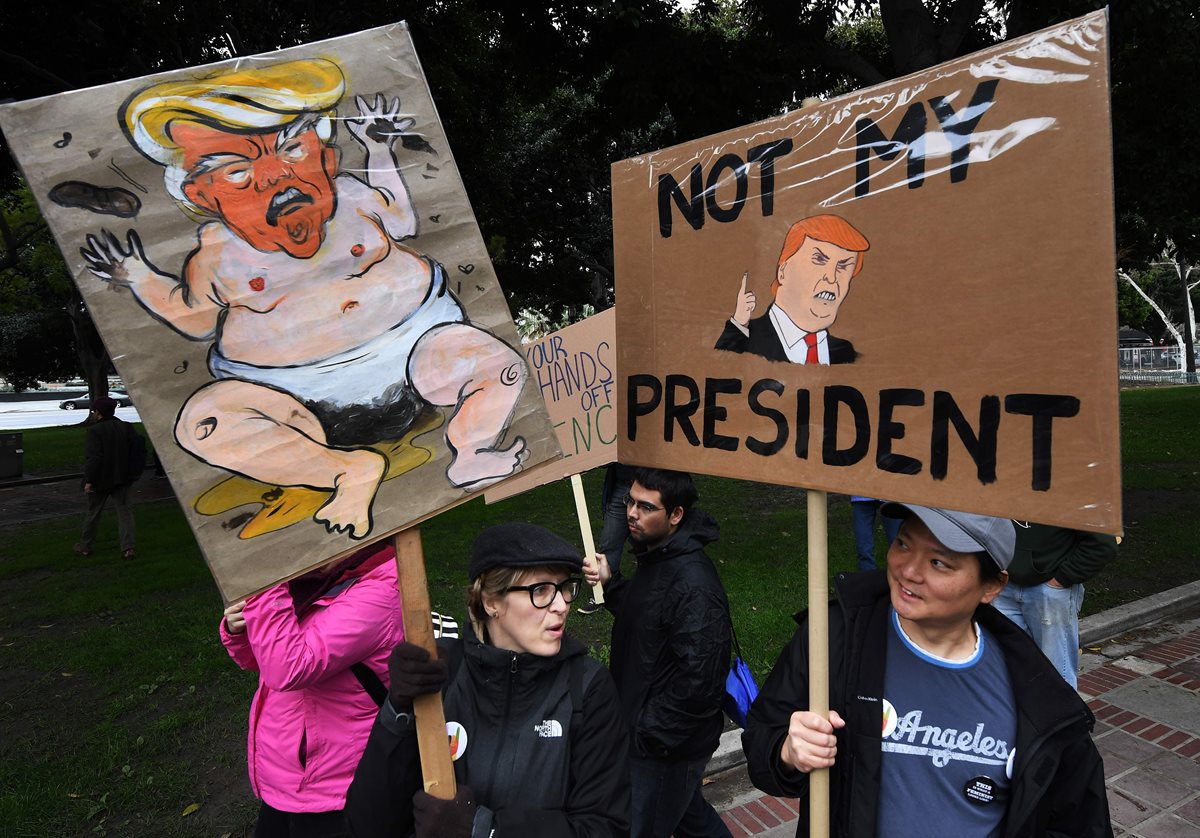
point(539, 746)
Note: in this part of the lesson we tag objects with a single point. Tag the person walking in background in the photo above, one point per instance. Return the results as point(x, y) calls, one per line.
point(320, 645)
point(670, 653)
point(1045, 587)
point(864, 509)
point(539, 746)
point(107, 473)
point(614, 531)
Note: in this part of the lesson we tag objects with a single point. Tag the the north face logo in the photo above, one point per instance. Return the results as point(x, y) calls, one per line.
point(549, 729)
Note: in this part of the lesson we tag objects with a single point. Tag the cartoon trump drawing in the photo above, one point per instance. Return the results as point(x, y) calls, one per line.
point(821, 255)
point(328, 331)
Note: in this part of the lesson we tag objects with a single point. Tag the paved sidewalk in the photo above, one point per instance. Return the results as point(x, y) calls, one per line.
point(59, 496)
point(1143, 686)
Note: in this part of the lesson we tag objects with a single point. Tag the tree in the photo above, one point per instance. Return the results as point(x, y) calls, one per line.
point(45, 332)
point(1164, 279)
point(539, 100)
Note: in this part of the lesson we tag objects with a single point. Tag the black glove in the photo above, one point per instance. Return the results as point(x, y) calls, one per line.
point(413, 673)
point(435, 818)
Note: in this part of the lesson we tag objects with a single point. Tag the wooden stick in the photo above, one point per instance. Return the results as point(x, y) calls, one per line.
point(436, 765)
point(818, 649)
point(585, 528)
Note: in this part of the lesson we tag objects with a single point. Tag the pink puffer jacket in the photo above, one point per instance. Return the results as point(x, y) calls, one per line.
point(310, 717)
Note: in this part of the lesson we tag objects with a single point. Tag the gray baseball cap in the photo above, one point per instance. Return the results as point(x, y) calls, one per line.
point(963, 532)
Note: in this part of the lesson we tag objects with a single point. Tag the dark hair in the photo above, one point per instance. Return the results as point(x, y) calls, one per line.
point(675, 487)
point(989, 571)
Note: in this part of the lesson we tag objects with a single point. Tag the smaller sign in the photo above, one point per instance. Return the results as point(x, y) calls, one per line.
point(575, 371)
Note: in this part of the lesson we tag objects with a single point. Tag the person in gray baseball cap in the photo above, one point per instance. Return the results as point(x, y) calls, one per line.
point(945, 717)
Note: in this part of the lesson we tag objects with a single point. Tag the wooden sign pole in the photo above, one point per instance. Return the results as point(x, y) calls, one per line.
point(585, 528)
point(818, 649)
point(436, 766)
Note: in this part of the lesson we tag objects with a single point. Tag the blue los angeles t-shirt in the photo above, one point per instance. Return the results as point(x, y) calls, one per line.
point(948, 732)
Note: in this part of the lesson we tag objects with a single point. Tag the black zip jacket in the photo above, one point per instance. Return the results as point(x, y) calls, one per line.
point(670, 645)
point(106, 455)
point(538, 768)
point(1058, 779)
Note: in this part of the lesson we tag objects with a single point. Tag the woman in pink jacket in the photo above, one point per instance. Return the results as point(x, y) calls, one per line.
point(312, 712)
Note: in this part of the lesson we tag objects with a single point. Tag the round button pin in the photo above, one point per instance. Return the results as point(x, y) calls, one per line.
point(980, 790)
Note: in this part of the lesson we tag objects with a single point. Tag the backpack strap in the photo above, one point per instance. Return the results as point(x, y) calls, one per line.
point(737, 647)
point(370, 682)
point(579, 678)
point(378, 692)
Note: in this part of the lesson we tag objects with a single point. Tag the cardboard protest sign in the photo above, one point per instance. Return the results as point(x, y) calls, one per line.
point(905, 292)
point(282, 261)
point(574, 368)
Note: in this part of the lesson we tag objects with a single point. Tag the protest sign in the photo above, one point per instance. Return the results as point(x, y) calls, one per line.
point(904, 292)
point(281, 259)
point(574, 369)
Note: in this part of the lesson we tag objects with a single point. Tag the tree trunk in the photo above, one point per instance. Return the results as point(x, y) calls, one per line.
point(1189, 320)
point(89, 348)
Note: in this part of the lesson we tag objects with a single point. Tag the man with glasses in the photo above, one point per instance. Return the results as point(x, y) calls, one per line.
point(670, 654)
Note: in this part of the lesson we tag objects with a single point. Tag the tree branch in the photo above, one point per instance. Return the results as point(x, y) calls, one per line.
point(963, 15)
point(1174, 330)
point(839, 58)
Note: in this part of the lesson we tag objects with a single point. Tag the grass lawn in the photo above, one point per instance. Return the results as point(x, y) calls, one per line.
point(60, 449)
point(119, 710)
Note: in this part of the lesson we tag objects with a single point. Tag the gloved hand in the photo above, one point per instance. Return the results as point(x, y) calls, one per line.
point(435, 818)
point(412, 672)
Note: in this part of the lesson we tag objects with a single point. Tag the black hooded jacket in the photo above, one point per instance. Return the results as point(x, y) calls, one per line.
point(540, 767)
point(670, 645)
point(1058, 779)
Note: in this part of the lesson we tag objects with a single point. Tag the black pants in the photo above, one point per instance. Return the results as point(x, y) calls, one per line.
point(273, 823)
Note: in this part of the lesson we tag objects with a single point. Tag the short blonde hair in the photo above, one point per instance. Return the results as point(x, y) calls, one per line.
point(493, 583)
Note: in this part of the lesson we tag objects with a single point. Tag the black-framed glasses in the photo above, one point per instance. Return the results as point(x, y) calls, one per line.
point(643, 507)
point(541, 594)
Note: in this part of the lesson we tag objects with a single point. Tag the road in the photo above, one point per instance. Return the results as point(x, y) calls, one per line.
point(19, 416)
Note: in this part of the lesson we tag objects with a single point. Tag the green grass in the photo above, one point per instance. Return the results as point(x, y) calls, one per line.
point(1160, 447)
point(58, 450)
point(119, 708)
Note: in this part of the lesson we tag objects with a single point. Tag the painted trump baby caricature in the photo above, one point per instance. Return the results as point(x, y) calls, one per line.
point(821, 255)
point(328, 332)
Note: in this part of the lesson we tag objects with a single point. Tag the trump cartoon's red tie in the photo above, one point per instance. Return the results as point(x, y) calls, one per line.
point(810, 340)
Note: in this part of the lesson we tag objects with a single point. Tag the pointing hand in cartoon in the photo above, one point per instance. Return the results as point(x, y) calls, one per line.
point(745, 303)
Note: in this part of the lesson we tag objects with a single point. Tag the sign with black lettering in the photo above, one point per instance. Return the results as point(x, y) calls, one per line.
point(281, 258)
point(906, 292)
point(575, 371)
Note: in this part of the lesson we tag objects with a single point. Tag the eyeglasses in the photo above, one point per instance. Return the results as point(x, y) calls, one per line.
point(542, 594)
point(643, 507)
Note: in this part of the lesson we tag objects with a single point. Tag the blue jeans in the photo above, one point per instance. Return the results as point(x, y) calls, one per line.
point(615, 530)
point(1051, 617)
point(667, 801)
point(864, 531)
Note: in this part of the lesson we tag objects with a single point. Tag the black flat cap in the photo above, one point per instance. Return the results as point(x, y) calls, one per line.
point(520, 545)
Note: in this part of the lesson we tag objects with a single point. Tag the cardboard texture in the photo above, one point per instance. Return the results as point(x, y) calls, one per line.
point(575, 371)
point(283, 263)
point(960, 234)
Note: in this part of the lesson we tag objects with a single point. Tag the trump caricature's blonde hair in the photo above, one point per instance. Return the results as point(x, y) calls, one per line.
point(241, 100)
